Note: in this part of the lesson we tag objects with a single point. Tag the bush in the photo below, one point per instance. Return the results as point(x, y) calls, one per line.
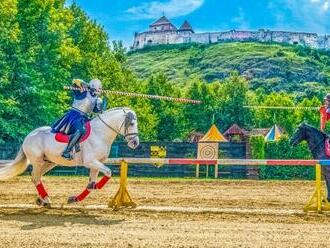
point(283, 150)
point(257, 145)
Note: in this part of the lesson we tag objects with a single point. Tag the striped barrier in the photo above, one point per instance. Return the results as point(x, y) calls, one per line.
point(318, 202)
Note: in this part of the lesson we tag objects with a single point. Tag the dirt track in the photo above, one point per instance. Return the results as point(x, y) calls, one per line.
point(246, 214)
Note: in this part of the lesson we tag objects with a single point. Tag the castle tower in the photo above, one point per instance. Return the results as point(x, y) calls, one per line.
point(186, 27)
point(162, 24)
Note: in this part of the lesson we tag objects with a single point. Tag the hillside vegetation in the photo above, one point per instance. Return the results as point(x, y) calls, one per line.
point(270, 66)
point(44, 44)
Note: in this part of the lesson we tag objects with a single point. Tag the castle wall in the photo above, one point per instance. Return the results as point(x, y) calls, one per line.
point(176, 37)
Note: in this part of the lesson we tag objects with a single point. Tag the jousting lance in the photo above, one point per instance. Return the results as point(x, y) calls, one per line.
point(132, 94)
point(281, 107)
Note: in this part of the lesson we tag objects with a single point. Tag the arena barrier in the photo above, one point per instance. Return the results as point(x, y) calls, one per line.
point(317, 203)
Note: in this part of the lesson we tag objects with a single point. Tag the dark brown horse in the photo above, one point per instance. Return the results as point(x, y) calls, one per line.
point(316, 144)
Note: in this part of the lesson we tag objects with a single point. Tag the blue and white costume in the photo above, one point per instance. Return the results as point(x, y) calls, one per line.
point(73, 122)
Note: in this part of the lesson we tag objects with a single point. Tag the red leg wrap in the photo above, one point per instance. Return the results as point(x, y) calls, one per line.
point(83, 195)
point(102, 182)
point(41, 190)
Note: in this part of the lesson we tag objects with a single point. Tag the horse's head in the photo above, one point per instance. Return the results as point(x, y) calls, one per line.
point(314, 137)
point(299, 135)
point(123, 122)
point(131, 132)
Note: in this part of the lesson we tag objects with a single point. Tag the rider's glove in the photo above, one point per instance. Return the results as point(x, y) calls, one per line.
point(78, 82)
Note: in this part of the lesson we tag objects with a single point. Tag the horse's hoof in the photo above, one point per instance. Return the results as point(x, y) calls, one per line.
point(43, 203)
point(47, 205)
point(72, 199)
point(39, 202)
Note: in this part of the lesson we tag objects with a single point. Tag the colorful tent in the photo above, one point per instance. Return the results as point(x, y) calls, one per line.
point(274, 134)
point(213, 135)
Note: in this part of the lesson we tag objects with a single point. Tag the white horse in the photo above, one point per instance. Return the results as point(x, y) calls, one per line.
point(42, 150)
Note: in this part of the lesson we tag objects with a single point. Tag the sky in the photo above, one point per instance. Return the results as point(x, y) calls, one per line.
point(121, 19)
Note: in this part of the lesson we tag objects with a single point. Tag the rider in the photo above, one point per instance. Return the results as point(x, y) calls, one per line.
point(325, 111)
point(86, 100)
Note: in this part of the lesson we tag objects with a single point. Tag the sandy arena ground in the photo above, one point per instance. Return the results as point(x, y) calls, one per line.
point(171, 213)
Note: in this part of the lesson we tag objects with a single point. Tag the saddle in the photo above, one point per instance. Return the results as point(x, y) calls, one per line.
point(64, 138)
point(327, 147)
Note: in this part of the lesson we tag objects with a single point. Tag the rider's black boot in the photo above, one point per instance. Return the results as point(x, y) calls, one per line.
point(74, 138)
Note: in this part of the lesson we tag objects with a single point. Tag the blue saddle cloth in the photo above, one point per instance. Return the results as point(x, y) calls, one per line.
point(70, 122)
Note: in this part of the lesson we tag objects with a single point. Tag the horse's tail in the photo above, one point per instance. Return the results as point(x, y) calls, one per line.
point(16, 167)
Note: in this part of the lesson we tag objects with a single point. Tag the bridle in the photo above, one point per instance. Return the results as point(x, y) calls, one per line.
point(129, 117)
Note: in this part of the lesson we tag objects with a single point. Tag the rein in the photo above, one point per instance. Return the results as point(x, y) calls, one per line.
point(116, 131)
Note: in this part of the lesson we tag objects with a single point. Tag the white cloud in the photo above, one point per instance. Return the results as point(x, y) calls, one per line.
point(323, 5)
point(302, 15)
point(171, 8)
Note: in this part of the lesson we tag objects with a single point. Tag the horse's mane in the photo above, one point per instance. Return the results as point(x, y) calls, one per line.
point(117, 108)
point(111, 110)
point(315, 129)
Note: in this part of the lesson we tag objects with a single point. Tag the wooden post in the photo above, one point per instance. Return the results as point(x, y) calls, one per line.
point(318, 187)
point(216, 170)
point(318, 201)
point(197, 170)
point(122, 197)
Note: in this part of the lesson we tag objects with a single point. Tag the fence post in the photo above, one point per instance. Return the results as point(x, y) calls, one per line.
point(197, 170)
point(318, 186)
point(318, 201)
point(122, 197)
point(216, 167)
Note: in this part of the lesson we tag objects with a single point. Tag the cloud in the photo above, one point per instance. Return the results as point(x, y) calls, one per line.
point(240, 20)
point(325, 5)
point(308, 15)
point(171, 8)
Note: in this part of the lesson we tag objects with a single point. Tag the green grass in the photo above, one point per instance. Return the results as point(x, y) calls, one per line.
point(272, 66)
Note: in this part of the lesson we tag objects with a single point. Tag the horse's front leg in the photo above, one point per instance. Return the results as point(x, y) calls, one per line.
point(92, 185)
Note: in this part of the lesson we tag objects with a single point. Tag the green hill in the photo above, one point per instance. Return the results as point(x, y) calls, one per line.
point(270, 66)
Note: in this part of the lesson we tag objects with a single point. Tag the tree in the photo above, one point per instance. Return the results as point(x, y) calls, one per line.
point(234, 97)
point(169, 114)
point(283, 117)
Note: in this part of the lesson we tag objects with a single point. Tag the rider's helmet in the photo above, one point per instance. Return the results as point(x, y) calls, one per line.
point(95, 86)
point(327, 97)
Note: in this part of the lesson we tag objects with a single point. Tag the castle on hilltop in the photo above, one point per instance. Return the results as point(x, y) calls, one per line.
point(163, 31)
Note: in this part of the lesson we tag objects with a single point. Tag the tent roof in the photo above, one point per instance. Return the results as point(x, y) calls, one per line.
point(274, 134)
point(213, 135)
point(234, 130)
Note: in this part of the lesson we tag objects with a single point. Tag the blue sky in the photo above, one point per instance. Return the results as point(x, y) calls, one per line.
point(122, 18)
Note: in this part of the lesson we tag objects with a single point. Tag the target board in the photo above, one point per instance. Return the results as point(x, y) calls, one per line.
point(208, 150)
